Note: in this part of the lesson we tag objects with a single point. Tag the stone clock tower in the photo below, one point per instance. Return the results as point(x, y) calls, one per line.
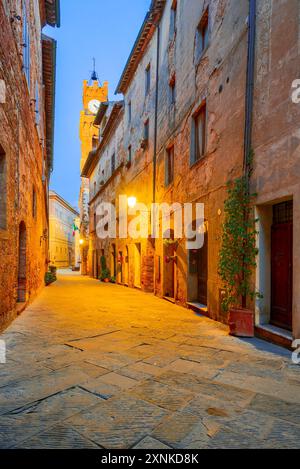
point(93, 95)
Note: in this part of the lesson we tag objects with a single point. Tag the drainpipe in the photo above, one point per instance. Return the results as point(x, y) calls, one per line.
point(155, 135)
point(156, 114)
point(249, 87)
point(249, 99)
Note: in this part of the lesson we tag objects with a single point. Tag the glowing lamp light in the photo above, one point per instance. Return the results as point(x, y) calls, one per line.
point(131, 202)
point(81, 241)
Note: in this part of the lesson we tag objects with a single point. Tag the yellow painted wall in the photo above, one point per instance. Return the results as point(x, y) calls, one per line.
point(62, 242)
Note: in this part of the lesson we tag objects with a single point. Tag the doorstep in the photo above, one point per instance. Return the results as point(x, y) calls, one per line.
point(198, 307)
point(20, 307)
point(168, 298)
point(274, 334)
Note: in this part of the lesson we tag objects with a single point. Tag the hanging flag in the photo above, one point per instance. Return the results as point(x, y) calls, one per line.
point(75, 228)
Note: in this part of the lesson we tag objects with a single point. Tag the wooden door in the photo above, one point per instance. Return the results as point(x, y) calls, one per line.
point(169, 281)
point(203, 271)
point(22, 267)
point(120, 263)
point(282, 275)
point(137, 265)
point(126, 262)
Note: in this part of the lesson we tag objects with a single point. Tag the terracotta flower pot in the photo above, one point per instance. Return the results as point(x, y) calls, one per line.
point(241, 322)
point(106, 280)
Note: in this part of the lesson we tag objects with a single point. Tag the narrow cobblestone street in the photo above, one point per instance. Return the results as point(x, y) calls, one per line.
point(84, 371)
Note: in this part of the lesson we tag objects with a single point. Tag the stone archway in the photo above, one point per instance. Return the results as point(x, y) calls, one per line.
point(22, 281)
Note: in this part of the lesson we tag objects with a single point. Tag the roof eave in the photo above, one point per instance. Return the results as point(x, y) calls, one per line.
point(56, 196)
point(49, 53)
point(52, 10)
point(115, 112)
point(101, 113)
point(144, 36)
point(90, 163)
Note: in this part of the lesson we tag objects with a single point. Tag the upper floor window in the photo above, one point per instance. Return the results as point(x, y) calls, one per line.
point(145, 139)
point(173, 19)
point(148, 79)
point(37, 104)
point(146, 132)
point(199, 134)
point(34, 202)
point(26, 44)
point(129, 156)
point(202, 35)
point(95, 187)
point(169, 166)
point(3, 189)
point(113, 163)
point(129, 112)
point(95, 142)
point(172, 90)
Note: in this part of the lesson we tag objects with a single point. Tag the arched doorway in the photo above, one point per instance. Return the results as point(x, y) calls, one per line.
point(22, 264)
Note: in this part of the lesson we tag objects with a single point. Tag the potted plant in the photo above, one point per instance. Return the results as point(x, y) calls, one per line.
point(105, 275)
point(113, 280)
point(49, 278)
point(105, 272)
point(238, 258)
point(103, 262)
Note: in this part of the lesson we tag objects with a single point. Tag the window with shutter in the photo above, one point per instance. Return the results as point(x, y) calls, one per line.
point(3, 189)
point(26, 45)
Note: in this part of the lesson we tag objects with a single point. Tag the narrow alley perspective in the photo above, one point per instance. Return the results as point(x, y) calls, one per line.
point(93, 365)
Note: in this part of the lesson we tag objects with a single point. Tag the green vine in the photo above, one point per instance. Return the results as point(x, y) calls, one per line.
point(105, 272)
point(103, 262)
point(238, 251)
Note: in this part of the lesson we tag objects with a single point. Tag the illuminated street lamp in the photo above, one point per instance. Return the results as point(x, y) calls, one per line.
point(81, 242)
point(131, 202)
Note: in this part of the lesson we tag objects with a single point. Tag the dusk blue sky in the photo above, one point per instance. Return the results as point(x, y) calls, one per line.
point(106, 30)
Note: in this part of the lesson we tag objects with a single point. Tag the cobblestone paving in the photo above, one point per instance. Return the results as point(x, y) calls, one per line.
point(91, 365)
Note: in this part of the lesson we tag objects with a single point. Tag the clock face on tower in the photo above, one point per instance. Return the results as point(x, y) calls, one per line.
point(94, 106)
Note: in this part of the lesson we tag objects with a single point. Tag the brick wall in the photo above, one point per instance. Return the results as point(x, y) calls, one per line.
point(22, 142)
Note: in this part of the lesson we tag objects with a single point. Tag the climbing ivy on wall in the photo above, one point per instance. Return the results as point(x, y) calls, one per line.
point(238, 250)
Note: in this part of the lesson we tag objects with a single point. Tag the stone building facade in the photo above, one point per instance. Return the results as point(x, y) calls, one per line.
point(27, 76)
point(276, 177)
point(188, 95)
point(62, 223)
point(104, 174)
